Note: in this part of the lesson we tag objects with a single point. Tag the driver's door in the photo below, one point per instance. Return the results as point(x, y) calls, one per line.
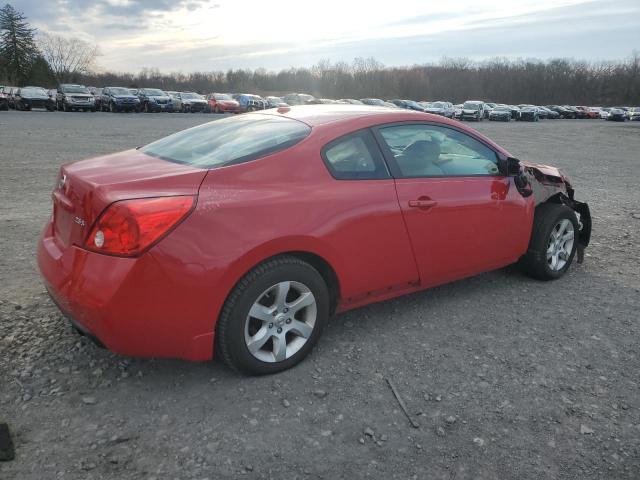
point(463, 216)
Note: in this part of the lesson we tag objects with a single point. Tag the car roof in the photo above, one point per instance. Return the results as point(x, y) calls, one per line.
point(314, 115)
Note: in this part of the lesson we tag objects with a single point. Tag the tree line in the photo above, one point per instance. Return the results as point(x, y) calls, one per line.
point(49, 59)
point(556, 81)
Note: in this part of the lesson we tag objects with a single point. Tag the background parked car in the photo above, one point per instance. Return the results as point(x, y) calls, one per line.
point(192, 102)
point(472, 110)
point(222, 103)
point(26, 98)
point(298, 98)
point(529, 113)
point(350, 101)
point(604, 113)
point(444, 109)
point(73, 97)
point(408, 105)
point(4, 99)
point(562, 111)
point(633, 113)
point(175, 100)
point(550, 114)
point(8, 91)
point(275, 102)
point(249, 102)
point(97, 93)
point(501, 113)
point(617, 114)
point(377, 102)
point(488, 106)
point(154, 100)
point(118, 99)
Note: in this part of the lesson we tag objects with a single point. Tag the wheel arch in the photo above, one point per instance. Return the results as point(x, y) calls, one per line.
point(584, 217)
point(318, 254)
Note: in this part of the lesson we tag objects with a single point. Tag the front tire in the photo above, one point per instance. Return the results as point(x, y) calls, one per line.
point(553, 242)
point(273, 317)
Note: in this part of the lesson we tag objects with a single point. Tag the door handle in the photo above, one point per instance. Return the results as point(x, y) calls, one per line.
point(422, 203)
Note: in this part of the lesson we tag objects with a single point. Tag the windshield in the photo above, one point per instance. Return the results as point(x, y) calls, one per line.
point(191, 95)
point(74, 89)
point(33, 91)
point(438, 105)
point(222, 96)
point(471, 106)
point(501, 109)
point(373, 101)
point(154, 92)
point(275, 99)
point(230, 140)
point(120, 91)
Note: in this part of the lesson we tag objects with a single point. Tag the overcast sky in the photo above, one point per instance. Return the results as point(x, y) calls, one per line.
point(200, 35)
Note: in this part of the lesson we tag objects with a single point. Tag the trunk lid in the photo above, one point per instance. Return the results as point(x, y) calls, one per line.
point(84, 189)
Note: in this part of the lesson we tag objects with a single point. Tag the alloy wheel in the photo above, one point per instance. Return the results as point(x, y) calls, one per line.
point(280, 321)
point(560, 244)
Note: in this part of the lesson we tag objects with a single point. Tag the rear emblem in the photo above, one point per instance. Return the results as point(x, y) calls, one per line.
point(62, 181)
point(80, 221)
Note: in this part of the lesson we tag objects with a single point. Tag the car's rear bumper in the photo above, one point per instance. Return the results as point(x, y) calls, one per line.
point(129, 305)
point(229, 108)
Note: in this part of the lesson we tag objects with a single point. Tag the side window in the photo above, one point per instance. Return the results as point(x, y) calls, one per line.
point(355, 157)
point(433, 151)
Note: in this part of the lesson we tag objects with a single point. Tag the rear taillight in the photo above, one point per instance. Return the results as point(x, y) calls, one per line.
point(129, 227)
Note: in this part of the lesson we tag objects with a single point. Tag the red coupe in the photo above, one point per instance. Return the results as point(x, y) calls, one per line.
point(244, 235)
point(222, 103)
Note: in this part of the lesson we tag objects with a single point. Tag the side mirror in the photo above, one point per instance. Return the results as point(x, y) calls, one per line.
point(509, 166)
point(513, 167)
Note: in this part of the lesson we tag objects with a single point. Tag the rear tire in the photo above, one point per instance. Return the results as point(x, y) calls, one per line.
point(553, 242)
point(281, 322)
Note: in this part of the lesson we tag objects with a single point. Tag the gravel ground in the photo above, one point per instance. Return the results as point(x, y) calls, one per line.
point(507, 377)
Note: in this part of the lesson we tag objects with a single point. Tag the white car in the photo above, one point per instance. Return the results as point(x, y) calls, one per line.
point(604, 113)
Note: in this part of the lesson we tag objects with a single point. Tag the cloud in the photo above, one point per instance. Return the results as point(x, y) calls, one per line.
point(185, 35)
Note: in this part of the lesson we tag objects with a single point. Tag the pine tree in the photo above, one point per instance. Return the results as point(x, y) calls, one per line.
point(17, 45)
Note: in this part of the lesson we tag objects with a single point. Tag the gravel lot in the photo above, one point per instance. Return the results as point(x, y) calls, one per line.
point(507, 377)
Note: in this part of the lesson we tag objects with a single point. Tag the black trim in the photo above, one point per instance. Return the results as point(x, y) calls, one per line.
point(390, 159)
point(381, 172)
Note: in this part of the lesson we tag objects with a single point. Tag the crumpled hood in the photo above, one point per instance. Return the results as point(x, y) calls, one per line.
point(546, 170)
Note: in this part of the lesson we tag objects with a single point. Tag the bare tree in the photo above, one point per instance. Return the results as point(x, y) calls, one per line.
point(68, 57)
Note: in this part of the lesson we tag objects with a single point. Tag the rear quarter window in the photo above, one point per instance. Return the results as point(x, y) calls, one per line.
point(229, 141)
point(355, 157)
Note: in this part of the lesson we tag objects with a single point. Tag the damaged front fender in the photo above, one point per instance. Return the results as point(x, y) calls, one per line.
point(548, 184)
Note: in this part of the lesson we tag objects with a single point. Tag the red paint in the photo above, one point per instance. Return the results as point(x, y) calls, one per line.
point(223, 106)
point(165, 301)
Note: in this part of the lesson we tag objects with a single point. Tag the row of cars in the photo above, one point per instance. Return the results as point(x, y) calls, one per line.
point(72, 97)
point(478, 110)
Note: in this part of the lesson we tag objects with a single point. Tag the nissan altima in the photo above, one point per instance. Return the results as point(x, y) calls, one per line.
point(243, 236)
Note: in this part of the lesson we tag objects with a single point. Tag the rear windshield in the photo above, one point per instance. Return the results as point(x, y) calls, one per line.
point(229, 141)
